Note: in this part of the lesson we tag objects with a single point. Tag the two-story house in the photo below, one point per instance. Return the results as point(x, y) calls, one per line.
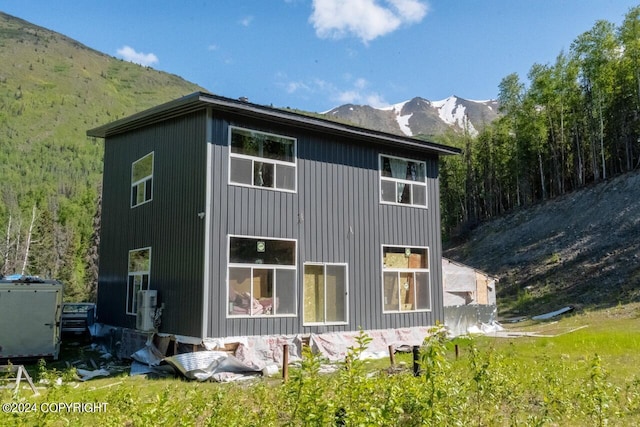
point(251, 220)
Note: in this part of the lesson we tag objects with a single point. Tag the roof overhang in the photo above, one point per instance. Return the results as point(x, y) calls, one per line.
point(201, 100)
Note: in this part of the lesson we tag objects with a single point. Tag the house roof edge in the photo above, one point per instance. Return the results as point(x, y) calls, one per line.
point(201, 100)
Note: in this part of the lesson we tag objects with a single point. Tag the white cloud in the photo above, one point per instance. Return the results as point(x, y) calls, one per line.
point(411, 11)
point(361, 83)
point(129, 54)
point(348, 97)
point(293, 87)
point(359, 97)
point(376, 100)
point(246, 21)
point(357, 91)
point(212, 47)
point(365, 19)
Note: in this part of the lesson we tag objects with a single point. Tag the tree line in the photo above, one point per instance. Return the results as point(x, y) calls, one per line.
point(572, 123)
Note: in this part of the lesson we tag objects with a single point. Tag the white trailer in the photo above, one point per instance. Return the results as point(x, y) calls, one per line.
point(30, 311)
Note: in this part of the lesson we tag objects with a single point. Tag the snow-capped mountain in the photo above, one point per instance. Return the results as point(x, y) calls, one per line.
point(420, 116)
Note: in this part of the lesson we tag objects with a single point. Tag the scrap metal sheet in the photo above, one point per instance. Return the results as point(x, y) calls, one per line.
point(204, 365)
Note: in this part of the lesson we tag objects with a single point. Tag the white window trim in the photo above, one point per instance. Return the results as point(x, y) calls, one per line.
point(262, 266)
point(346, 295)
point(135, 183)
point(406, 270)
point(136, 273)
point(293, 164)
point(403, 181)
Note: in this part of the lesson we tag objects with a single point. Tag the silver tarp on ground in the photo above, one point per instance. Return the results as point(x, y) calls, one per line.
point(205, 365)
point(459, 319)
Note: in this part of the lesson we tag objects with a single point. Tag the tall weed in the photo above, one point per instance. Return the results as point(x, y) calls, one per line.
point(305, 394)
point(598, 394)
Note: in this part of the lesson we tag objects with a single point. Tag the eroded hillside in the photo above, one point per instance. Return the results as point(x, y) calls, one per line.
point(582, 249)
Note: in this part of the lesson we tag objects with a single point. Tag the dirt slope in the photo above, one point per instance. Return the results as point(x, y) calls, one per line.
point(582, 249)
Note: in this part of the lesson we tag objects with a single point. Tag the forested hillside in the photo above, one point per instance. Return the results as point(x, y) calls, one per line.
point(52, 89)
point(570, 123)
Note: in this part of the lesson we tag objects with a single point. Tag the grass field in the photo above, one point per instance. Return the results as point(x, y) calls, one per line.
point(581, 370)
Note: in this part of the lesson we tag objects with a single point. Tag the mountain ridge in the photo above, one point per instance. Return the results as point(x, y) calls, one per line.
point(420, 116)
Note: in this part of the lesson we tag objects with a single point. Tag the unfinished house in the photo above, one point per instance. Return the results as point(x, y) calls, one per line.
point(464, 285)
point(469, 296)
point(238, 220)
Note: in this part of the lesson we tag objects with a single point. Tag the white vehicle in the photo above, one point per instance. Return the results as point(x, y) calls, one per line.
point(30, 311)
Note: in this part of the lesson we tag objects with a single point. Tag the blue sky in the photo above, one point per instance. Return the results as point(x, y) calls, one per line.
point(317, 54)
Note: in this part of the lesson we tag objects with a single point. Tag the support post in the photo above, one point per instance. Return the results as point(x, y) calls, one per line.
point(392, 356)
point(285, 362)
point(416, 360)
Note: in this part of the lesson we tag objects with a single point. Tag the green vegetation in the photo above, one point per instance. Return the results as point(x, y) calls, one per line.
point(576, 122)
point(52, 90)
point(582, 370)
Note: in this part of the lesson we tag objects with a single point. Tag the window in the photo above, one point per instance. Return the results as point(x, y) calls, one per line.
point(403, 181)
point(142, 180)
point(260, 159)
point(405, 276)
point(139, 269)
point(262, 277)
point(325, 293)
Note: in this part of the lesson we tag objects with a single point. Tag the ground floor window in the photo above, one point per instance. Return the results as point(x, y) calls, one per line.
point(138, 277)
point(261, 277)
point(325, 293)
point(406, 279)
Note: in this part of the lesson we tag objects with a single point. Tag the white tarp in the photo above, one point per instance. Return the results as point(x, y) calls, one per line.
point(205, 365)
point(264, 354)
point(459, 319)
point(260, 351)
point(334, 346)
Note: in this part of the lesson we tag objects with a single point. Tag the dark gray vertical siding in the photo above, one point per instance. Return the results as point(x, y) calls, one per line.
point(113, 268)
point(218, 240)
point(436, 258)
point(345, 222)
point(416, 227)
point(335, 216)
point(169, 224)
point(240, 210)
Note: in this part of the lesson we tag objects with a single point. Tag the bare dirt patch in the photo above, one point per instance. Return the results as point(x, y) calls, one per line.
point(581, 249)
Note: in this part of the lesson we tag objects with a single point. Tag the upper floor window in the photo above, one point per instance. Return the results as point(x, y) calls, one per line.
point(403, 181)
point(138, 277)
point(142, 180)
point(261, 159)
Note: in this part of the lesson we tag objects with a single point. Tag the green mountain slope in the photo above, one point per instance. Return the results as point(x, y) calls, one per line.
point(52, 89)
